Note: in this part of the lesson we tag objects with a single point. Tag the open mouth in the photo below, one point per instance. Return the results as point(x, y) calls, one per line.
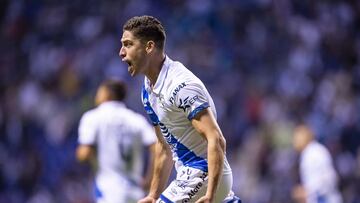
point(126, 61)
point(130, 68)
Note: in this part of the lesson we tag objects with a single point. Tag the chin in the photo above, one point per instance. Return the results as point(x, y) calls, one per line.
point(133, 73)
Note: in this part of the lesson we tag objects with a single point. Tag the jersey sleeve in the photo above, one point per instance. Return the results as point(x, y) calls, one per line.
point(192, 99)
point(87, 130)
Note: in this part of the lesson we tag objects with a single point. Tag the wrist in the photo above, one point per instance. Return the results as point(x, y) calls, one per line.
point(154, 196)
point(209, 196)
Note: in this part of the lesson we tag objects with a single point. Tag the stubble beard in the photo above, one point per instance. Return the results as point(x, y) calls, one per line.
point(131, 71)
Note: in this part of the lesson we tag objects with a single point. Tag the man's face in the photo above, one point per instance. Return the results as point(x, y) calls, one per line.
point(301, 138)
point(133, 53)
point(102, 95)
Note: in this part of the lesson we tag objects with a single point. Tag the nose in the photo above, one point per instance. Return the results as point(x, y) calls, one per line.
point(122, 52)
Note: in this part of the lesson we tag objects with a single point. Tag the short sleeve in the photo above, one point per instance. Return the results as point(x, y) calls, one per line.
point(147, 131)
point(192, 99)
point(87, 130)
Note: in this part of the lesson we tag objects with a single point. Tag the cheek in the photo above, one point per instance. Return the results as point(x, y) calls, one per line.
point(130, 54)
point(139, 57)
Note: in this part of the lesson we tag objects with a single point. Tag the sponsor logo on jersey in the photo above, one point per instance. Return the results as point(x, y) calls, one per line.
point(187, 102)
point(195, 190)
point(176, 91)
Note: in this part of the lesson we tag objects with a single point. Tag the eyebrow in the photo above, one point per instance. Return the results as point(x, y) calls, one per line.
point(125, 40)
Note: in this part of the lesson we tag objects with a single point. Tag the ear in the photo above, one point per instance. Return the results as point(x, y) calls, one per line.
point(150, 46)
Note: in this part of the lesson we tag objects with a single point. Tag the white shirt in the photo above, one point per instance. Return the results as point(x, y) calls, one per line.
point(177, 96)
point(318, 174)
point(119, 135)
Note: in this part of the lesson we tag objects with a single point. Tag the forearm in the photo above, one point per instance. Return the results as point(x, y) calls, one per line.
point(162, 169)
point(149, 169)
point(215, 165)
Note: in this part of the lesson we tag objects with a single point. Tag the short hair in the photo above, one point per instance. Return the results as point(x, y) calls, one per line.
point(147, 28)
point(116, 88)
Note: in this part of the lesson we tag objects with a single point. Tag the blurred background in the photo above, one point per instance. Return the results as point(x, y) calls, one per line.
point(269, 64)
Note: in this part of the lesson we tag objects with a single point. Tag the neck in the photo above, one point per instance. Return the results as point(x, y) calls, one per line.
point(155, 66)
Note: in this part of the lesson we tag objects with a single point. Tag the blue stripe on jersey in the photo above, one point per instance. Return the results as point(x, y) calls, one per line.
point(320, 198)
point(235, 199)
point(150, 112)
point(197, 110)
point(165, 199)
point(98, 193)
point(186, 156)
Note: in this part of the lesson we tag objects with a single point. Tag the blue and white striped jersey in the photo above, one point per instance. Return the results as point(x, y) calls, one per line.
point(175, 99)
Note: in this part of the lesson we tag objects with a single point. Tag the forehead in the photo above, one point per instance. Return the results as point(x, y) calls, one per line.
point(128, 36)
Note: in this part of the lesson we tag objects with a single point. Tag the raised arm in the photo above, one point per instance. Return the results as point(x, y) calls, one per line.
point(205, 123)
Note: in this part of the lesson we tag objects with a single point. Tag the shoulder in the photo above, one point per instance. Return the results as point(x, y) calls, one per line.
point(134, 115)
point(315, 147)
point(316, 152)
point(90, 114)
point(88, 119)
point(134, 118)
point(180, 77)
point(177, 70)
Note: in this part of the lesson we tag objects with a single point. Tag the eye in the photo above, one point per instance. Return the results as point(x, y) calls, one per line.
point(127, 44)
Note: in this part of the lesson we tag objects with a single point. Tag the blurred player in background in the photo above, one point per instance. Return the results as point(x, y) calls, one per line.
point(115, 136)
point(317, 173)
point(184, 117)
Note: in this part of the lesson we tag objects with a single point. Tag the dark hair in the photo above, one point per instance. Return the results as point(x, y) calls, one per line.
point(116, 88)
point(147, 28)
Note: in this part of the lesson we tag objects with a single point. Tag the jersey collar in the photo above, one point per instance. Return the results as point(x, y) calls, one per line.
point(112, 103)
point(161, 78)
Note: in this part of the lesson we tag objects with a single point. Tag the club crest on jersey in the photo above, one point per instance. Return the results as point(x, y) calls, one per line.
point(176, 91)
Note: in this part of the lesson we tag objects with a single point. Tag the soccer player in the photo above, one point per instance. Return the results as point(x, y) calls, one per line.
point(116, 136)
point(317, 173)
point(184, 117)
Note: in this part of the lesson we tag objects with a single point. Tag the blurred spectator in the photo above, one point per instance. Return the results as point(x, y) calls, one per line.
point(319, 180)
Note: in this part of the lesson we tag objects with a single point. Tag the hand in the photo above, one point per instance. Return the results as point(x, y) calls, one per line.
point(147, 199)
point(204, 199)
point(299, 193)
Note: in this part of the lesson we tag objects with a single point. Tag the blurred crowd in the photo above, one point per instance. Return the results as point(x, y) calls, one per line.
point(269, 65)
